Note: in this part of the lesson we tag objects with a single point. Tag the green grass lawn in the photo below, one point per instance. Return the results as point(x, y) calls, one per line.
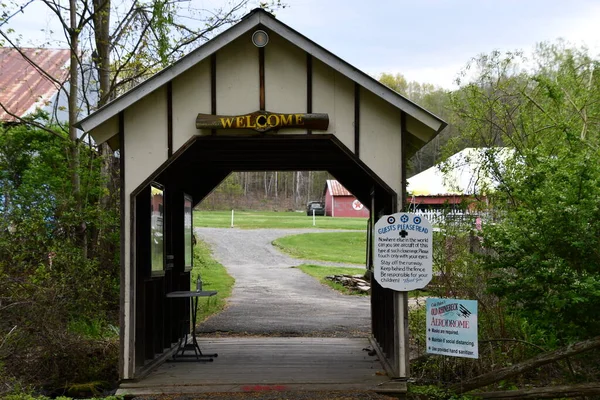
point(320, 272)
point(272, 219)
point(214, 277)
point(344, 247)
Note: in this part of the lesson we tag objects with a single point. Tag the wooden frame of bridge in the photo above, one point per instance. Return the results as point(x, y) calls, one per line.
point(231, 106)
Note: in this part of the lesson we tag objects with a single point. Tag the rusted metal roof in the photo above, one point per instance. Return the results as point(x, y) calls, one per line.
point(336, 189)
point(23, 88)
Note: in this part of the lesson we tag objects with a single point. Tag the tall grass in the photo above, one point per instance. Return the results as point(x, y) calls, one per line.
point(214, 277)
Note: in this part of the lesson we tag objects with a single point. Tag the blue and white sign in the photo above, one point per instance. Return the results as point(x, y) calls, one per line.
point(452, 327)
point(402, 253)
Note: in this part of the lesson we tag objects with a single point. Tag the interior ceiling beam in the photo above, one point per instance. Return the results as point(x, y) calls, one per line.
point(210, 159)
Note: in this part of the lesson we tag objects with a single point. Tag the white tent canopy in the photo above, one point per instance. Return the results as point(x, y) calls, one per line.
point(461, 174)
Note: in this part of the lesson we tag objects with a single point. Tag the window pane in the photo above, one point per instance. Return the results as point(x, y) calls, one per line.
point(188, 231)
point(157, 247)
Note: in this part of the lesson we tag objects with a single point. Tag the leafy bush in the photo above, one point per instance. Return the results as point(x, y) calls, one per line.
point(535, 272)
point(59, 268)
point(546, 259)
point(543, 245)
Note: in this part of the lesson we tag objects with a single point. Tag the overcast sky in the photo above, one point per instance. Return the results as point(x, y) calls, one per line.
point(425, 40)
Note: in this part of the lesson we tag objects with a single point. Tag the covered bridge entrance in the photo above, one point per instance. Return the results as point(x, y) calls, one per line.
point(257, 97)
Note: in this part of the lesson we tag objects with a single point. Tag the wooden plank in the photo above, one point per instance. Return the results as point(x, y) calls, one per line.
point(529, 364)
point(263, 121)
point(293, 363)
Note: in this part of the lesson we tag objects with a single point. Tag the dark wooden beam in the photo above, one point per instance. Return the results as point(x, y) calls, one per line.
point(213, 87)
point(403, 157)
point(261, 74)
point(169, 119)
point(357, 119)
point(309, 86)
point(122, 357)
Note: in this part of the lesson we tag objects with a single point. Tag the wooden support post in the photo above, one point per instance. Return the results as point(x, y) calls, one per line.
point(401, 333)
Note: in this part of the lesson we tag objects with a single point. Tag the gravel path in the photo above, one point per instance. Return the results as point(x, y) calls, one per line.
point(270, 297)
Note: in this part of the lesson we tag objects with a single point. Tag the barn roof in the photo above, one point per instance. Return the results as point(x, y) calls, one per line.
point(23, 88)
point(336, 189)
point(422, 124)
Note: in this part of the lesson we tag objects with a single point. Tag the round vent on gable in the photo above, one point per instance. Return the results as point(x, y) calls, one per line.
point(260, 38)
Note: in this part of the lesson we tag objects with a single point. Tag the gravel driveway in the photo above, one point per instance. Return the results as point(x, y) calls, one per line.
point(270, 297)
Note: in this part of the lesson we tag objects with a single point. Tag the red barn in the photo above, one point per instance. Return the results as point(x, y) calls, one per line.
point(339, 202)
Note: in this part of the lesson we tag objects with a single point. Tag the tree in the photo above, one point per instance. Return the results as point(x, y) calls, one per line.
point(435, 100)
point(59, 235)
point(50, 289)
point(544, 247)
point(140, 36)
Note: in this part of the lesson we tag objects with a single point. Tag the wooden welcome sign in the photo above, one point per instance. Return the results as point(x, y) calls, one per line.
point(263, 121)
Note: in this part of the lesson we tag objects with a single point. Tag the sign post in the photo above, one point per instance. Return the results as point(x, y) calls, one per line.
point(403, 252)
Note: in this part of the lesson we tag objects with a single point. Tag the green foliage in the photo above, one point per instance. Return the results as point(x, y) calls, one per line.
point(229, 187)
point(85, 389)
point(435, 100)
point(58, 263)
point(546, 248)
point(163, 19)
point(505, 337)
point(542, 249)
point(420, 93)
point(431, 392)
point(534, 267)
point(93, 329)
point(214, 277)
point(343, 247)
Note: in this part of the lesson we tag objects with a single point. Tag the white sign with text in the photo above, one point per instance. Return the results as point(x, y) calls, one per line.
point(403, 251)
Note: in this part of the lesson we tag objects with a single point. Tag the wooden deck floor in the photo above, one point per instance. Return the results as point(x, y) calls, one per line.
point(268, 363)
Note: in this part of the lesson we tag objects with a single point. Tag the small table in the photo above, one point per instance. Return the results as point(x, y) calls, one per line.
point(183, 340)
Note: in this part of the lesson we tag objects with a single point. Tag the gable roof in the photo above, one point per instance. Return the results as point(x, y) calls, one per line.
point(23, 88)
point(336, 189)
point(431, 123)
